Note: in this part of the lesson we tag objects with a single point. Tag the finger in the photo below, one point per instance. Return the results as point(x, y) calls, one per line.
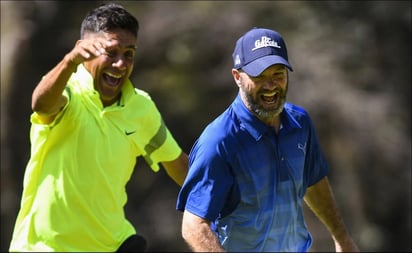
point(101, 45)
point(85, 54)
point(89, 48)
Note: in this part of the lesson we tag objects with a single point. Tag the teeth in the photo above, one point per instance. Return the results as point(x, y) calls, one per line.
point(113, 75)
point(269, 94)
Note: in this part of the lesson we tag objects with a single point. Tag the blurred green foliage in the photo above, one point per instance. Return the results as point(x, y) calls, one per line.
point(352, 71)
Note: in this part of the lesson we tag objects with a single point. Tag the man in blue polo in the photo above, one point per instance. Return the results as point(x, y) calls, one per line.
point(253, 166)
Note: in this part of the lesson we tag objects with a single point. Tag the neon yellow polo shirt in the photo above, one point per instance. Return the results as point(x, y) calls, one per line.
point(74, 184)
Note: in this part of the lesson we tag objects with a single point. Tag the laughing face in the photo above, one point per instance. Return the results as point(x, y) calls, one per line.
point(112, 68)
point(264, 95)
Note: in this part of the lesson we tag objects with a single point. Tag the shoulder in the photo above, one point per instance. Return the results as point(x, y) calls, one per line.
point(222, 126)
point(219, 134)
point(141, 101)
point(296, 110)
point(297, 113)
point(142, 94)
point(296, 117)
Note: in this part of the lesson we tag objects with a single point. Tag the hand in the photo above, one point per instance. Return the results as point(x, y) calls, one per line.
point(347, 246)
point(88, 49)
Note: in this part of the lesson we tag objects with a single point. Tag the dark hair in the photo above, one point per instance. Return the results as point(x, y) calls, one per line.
point(108, 17)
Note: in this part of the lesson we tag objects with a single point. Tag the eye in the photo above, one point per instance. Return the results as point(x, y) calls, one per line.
point(129, 55)
point(278, 76)
point(111, 53)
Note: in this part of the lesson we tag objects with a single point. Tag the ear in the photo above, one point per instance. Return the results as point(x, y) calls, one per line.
point(236, 76)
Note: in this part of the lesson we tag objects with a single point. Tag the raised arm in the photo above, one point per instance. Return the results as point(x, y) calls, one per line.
point(198, 235)
point(321, 201)
point(47, 97)
point(177, 169)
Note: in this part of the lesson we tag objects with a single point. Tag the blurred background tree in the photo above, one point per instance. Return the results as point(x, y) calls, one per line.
point(352, 71)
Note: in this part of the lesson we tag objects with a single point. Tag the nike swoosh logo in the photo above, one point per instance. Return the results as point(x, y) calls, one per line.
point(129, 133)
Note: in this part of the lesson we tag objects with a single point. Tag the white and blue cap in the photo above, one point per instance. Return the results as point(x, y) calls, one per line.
point(259, 49)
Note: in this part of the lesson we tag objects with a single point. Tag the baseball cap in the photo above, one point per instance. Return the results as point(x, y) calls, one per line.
point(258, 49)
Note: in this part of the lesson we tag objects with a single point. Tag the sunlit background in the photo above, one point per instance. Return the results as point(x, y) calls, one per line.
point(352, 72)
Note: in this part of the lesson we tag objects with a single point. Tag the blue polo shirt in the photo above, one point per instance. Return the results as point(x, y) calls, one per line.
point(250, 181)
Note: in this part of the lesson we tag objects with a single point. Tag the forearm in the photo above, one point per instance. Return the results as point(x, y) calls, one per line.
point(321, 201)
point(47, 97)
point(177, 169)
point(198, 235)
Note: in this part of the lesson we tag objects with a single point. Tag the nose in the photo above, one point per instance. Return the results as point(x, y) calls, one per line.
point(119, 62)
point(269, 83)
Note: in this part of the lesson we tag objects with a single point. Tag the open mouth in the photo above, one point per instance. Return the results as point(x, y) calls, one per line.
point(270, 97)
point(112, 79)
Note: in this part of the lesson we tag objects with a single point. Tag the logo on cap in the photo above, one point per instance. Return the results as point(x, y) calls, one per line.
point(265, 42)
point(237, 60)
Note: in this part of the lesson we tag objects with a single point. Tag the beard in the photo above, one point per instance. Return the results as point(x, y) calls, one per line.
point(262, 112)
point(255, 104)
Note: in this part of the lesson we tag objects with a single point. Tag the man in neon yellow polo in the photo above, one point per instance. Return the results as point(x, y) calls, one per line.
point(88, 126)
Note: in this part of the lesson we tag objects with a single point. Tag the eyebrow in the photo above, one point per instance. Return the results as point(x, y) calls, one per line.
point(132, 47)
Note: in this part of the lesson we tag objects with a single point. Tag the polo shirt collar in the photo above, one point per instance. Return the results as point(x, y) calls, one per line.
point(88, 85)
point(256, 127)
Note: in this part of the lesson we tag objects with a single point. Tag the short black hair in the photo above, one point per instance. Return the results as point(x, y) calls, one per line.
point(108, 17)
